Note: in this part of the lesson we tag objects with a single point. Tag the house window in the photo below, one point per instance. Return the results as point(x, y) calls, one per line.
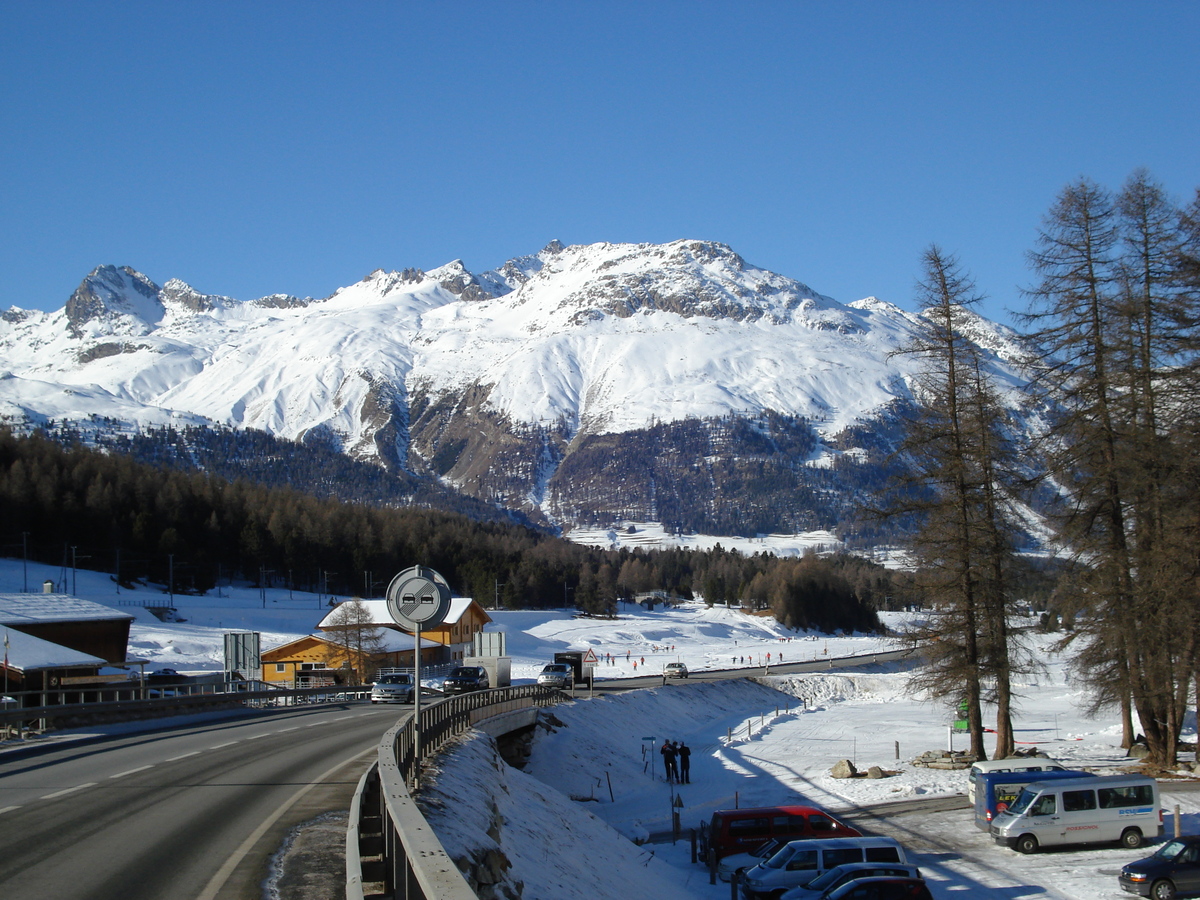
point(280, 667)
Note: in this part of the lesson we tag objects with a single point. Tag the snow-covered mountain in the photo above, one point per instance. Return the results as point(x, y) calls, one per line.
point(581, 384)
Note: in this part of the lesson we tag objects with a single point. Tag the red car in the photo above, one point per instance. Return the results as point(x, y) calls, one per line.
point(742, 830)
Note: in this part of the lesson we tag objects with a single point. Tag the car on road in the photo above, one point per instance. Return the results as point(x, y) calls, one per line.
point(839, 875)
point(393, 687)
point(675, 670)
point(464, 679)
point(559, 675)
point(1172, 870)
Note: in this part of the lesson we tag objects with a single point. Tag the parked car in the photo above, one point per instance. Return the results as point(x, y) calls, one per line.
point(740, 862)
point(675, 670)
point(801, 861)
point(1173, 869)
point(464, 679)
point(839, 875)
point(559, 675)
point(881, 889)
point(742, 830)
point(394, 687)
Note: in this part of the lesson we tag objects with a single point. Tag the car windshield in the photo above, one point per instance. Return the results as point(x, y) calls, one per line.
point(1170, 849)
point(779, 860)
point(1022, 802)
point(462, 673)
point(830, 878)
point(770, 848)
point(395, 679)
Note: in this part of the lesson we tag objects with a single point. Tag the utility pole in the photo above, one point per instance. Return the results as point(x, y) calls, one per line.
point(499, 584)
point(24, 575)
point(171, 577)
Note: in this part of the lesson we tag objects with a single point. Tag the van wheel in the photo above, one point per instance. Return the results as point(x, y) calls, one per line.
point(1026, 843)
point(1162, 890)
point(1132, 838)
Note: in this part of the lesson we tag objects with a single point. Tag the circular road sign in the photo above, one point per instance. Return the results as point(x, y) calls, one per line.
point(417, 597)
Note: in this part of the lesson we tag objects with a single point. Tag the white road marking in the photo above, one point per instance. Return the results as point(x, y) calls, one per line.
point(131, 771)
point(218, 881)
point(70, 790)
point(284, 730)
point(226, 744)
point(8, 809)
point(183, 756)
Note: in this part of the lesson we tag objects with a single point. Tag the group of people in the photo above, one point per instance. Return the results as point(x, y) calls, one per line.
point(677, 762)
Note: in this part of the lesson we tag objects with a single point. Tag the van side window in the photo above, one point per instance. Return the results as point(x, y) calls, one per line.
point(1077, 801)
point(820, 823)
point(882, 854)
point(788, 825)
point(1134, 795)
point(739, 828)
point(840, 856)
point(802, 860)
point(1044, 806)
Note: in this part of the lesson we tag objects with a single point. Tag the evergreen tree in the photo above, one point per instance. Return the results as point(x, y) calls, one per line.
point(962, 547)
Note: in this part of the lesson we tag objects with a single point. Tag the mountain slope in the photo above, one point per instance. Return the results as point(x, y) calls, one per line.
point(582, 384)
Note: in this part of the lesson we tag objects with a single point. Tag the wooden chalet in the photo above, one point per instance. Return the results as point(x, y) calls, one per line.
point(453, 636)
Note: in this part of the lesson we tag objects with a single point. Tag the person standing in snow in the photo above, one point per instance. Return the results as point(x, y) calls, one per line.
point(685, 763)
point(668, 755)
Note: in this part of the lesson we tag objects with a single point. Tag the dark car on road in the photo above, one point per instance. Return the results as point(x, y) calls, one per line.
point(1173, 870)
point(464, 679)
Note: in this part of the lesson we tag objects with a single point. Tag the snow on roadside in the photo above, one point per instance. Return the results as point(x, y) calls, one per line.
point(529, 840)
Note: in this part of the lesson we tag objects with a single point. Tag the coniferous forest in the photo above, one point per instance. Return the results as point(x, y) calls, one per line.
point(189, 531)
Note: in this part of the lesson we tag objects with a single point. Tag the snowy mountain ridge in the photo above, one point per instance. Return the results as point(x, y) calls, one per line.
point(458, 375)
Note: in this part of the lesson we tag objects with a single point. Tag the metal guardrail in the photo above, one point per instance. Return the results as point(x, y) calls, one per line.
point(69, 715)
point(388, 841)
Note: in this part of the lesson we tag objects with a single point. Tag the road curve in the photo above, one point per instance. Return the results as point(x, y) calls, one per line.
point(190, 813)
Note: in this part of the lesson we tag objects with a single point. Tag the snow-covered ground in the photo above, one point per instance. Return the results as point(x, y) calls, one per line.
point(759, 742)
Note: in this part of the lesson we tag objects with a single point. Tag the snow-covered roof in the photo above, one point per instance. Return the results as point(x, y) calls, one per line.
point(380, 615)
point(30, 609)
point(391, 641)
point(27, 653)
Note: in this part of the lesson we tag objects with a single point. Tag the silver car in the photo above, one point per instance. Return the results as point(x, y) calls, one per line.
point(395, 687)
point(559, 675)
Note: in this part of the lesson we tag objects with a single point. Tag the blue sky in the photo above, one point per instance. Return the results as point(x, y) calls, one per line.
point(259, 147)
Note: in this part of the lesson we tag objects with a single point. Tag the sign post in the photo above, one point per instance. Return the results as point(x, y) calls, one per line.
point(418, 596)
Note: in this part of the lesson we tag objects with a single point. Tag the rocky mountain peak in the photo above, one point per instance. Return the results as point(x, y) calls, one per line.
point(109, 294)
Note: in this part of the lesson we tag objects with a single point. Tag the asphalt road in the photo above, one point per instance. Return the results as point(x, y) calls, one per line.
point(191, 813)
point(796, 668)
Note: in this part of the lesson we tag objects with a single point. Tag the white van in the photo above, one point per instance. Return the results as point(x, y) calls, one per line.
point(801, 861)
point(1093, 809)
point(1016, 764)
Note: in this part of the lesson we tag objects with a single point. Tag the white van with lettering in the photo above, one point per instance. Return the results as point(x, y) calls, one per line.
point(1088, 810)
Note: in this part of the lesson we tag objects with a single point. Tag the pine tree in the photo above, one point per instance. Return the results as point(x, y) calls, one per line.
point(962, 547)
point(1114, 329)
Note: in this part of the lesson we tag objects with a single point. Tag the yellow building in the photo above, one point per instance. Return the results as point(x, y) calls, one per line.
point(464, 620)
point(317, 660)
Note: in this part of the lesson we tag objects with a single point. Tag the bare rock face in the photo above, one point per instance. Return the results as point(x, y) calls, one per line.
point(843, 768)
